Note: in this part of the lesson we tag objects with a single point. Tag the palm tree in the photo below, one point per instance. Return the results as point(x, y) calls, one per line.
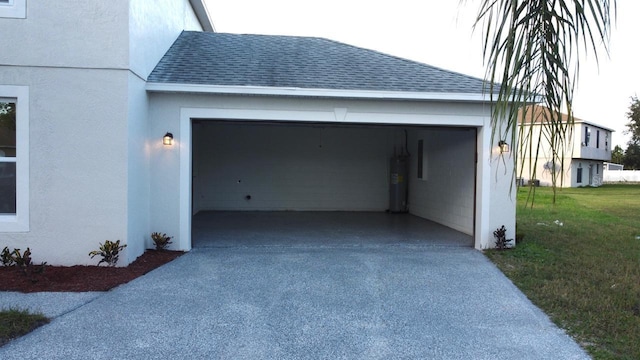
point(532, 50)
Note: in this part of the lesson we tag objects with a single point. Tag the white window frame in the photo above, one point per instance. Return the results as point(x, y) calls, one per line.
point(19, 222)
point(16, 9)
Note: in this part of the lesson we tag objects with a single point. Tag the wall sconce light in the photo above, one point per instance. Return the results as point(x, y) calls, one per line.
point(167, 139)
point(504, 147)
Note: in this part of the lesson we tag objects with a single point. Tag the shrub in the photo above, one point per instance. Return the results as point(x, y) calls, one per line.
point(16, 258)
point(21, 260)
point(502, 242)
point(109, 251)
point(161, 241)
point(6, 257)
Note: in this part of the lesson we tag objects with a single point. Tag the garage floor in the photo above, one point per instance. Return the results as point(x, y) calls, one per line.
point(348, 229)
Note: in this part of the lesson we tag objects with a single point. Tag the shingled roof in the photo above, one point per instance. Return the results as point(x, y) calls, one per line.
point(219, 59)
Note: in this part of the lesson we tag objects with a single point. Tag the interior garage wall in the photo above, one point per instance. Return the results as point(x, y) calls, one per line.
point(445, 194)
point(292, 167)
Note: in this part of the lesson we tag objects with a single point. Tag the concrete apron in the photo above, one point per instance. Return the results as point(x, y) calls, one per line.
point(371, 300)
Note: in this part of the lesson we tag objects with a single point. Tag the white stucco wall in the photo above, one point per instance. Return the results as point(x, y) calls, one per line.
point(153, 27)
point(171, 166)
point(137, 162)
point(78, 151)
point(79, 34)
point(84, 64)
point(496, 190)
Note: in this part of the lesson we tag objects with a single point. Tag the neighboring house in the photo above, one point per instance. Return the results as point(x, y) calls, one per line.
point(258, 123)
point(585, 154)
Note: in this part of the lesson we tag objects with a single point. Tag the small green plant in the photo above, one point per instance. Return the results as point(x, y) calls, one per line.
point(109, 251)
point(501, 238)
point(6, 257)
point(161, 241)
point(22, 260)
point(16, 258)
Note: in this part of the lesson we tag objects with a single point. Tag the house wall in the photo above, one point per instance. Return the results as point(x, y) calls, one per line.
point(71, 34)
point(78, 174)
point(171, 173)
point(153, 26)
point(592, 172)
point(594, 150)
point(85, 65)
point(283, 167)
point(578, 152)
point(445, 194)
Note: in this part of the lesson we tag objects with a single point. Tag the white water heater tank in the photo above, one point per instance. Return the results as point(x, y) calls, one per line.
point(398, 184)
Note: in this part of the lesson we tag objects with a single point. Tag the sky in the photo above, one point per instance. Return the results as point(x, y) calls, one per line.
point(440, 33)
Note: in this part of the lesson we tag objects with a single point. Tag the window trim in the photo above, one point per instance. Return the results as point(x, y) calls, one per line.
point(15, 9)
point(20, 221)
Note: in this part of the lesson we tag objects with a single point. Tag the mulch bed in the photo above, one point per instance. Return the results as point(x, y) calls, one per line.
point(82, 278)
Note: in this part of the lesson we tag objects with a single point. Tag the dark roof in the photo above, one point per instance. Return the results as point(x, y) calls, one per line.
point(299, 62)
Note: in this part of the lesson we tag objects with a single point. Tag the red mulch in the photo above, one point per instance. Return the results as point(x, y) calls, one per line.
point(81, 278)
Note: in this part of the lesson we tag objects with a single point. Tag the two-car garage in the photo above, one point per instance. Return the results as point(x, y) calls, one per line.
point(313, 127)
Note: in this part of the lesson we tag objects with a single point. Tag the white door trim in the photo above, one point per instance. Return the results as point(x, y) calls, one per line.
point(184, 141)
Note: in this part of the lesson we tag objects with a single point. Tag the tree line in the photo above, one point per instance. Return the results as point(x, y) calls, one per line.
point(630, 157)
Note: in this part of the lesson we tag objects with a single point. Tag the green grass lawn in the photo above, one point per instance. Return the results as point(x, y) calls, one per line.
point(15, 323)
point(584, 274)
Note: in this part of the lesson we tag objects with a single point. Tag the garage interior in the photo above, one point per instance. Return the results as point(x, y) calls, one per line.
point(261, 183)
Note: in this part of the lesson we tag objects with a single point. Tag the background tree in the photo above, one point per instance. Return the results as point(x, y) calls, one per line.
point(532, 51)
point(617, 155)
point(632, 157)
point(633, 126)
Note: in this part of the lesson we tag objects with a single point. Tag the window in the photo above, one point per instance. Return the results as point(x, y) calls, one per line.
point(579, 174)
point(606, 141)
point(13, 9)
point(420, 151)
point(422, 161)
point(597, 139)
point(14, 157)
point(587, 135)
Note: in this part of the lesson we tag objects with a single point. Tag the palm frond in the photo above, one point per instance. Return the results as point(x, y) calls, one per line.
point(532, 51)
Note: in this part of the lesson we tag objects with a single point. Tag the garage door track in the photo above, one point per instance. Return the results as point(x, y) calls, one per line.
point(400, 301)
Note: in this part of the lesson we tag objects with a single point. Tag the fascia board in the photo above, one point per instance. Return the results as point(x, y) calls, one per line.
point(202, 13)
point(328, 93)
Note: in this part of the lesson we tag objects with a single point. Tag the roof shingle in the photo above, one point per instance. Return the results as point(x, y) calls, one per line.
point(207, 58)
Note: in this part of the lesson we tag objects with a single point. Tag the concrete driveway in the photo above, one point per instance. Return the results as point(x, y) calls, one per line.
point(385, 301)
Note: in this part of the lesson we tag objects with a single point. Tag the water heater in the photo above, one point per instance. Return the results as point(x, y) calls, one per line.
point(398, 184)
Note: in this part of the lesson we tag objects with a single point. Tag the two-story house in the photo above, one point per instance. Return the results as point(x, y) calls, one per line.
point(587, 149)
point(130, 117)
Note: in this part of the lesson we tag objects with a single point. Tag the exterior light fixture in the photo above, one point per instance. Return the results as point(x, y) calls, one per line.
point(504, 147)
point(167, 139)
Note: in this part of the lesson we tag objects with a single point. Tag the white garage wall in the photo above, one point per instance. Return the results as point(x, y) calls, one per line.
point(284, 167)
point(171, 166)
point(446, 192)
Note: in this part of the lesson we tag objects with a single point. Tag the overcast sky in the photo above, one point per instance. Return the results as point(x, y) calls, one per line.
point(439, 33)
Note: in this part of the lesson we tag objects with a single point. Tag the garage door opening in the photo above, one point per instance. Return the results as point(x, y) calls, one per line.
point(254, 178)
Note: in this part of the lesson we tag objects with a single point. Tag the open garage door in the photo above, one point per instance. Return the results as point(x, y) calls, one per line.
point(252, 166)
